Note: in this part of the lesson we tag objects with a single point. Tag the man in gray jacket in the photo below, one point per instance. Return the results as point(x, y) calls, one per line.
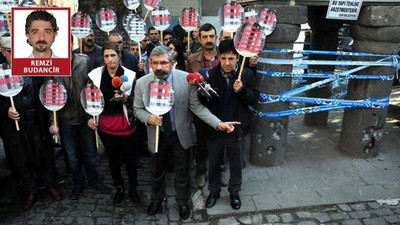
point(176, 131)
point(78, 138)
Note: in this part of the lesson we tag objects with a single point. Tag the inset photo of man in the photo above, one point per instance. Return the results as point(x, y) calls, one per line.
point(40, 41)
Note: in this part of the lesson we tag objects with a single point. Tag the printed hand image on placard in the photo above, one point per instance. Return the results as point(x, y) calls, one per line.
point(136, 28)
point(106, 19)
point(230, 16)
point(53, 95)
point(10, 86)
point(81, 23)
point(249, 39)
point(160, 18)
point(92, 99)
point(189, 19)
point(267, 20)
point(158, 97)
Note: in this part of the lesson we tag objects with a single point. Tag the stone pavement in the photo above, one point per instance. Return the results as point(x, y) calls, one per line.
point(317, 184)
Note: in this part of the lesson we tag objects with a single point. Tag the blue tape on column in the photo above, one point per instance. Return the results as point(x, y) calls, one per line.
point(317, 52)
point(331, 103)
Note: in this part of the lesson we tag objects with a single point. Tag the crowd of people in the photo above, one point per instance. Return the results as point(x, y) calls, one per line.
point(126, 127)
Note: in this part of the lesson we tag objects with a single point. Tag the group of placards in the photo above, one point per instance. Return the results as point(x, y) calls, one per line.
point(251, 30)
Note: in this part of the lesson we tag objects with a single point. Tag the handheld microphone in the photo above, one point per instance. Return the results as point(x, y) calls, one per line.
point(193, 80)
point(124, 78)
point(126, 86)
point(201, 80)
point(116, 82)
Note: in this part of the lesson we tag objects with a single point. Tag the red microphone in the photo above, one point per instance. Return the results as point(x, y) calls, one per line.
point(193, 80)
point(200, 78)
point(116, 82)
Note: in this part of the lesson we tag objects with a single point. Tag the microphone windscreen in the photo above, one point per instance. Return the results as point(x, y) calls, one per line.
point(200, 77)
point(116, 82)
point(192, 79)
point(126, 86)
point(124, 78)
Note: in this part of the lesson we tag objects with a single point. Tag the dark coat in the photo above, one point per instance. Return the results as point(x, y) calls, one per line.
point(247, 96)
point(29, 107)
point(73, 113)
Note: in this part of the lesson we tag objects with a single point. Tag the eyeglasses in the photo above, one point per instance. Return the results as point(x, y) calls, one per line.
point(162, 63)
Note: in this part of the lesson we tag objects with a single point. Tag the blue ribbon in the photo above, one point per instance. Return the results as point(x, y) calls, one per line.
point(331, 103)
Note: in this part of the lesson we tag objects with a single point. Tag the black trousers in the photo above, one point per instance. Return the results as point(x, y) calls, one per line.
point(119, 150)
point(33, 157)
point(216, 146)
point(201, 148)
point(182, 169)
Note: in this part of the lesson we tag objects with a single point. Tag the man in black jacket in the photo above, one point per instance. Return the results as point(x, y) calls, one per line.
point(31, 145)
point(232, 105)
point(78, 138)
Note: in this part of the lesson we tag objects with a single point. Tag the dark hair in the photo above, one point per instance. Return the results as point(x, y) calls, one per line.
point(133, 43)
point(113, 46)
point(110, 45)
point(40, 15)
point(207, 27)
point(180, 59)
point(227, 46)
point(165, 32)
point(152, 28)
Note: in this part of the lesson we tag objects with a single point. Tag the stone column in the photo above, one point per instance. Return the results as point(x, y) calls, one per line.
point(324, 36)
point(268, 136)
point(376, 31)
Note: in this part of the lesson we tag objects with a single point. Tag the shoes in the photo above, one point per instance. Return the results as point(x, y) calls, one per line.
point(154, 208)
point(184, 212)
point(75, 194)
point(133, 195)
point(55, 194)
point(100, 187)
point(224, 178)
point(212, 200)
point(235, 201)
point(59, 180)
point(29, 202)
point(119, 195)
point(200, 180)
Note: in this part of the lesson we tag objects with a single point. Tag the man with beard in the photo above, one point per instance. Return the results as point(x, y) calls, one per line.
point(176, 130)
point(91, 49)
point(207, 59)
point(41, 30)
